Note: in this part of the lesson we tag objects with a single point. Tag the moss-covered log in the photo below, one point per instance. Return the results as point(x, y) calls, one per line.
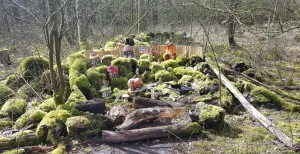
point(92, 106)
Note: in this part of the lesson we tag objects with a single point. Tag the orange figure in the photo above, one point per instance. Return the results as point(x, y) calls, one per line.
point(134, 84)
point(170, 52)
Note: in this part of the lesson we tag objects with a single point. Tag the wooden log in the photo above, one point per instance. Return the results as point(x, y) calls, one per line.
point(290, 87)
point(162, 116)
point(117, 115)
point(141, 102)
point(151, 132)
point(93, 106)
point(134, 135)
point(260, 117)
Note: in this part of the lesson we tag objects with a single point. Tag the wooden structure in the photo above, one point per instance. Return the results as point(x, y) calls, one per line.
point(180, 50)
point(260, 117)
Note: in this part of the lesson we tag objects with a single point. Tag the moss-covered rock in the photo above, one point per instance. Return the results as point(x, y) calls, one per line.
point(143, 65)
point(186, 80)
point(15, 151)
point(76, 125)
point(29, 117)
point(50, 121)
point(83, 84)
point(33, 66)
point(240, 64)
point(5, 94)
point(263, 96)
point(5, 122)
point(14, 107)
point(165, 76)
point(194, 60)
point(211, 116)
point(147, 77)
point(98, 123)
point(148, 57)
point(170, 63)
point(182, 60)
point(155, 67)
point(95, 78)
point(180, 71)
point(73, 57)
point(123, 64)
point(48, 105)
point(14, 81)
point(120, 83)
point(106, 60)
point(226, 99)
point(76, 96)
point(60, 149)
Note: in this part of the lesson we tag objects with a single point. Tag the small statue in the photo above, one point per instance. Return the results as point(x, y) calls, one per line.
point(134, 83)
point(105, 90)
point(94, 59)
point(137, 72)
point(112, 71)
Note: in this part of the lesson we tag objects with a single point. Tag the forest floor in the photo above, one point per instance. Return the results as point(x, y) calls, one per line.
point(242, 133)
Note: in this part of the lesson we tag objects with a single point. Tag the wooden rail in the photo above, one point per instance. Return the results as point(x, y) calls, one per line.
point(260, 117)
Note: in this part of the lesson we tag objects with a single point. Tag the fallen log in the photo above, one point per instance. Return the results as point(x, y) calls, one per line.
point(117, 115)
point(93, 106)
point(141, 102)
point(150, 133)
point(161, 116)
point(274, 89)
point(290, 87)
point(260, 117)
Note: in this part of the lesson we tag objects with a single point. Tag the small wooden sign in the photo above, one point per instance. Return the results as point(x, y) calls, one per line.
point(152, 93)
point(143, 49)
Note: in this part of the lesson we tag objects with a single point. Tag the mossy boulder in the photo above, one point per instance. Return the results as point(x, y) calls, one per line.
point(102, 69)
point(123, 64)
point(48, 105)
point(120, 83)
point(79, 65)
point(60, 149)
point(33, 66)
point(29, 117)
point(263, 96)
point(194, 60)
point(73, 57)
point(76, 96)
point(5, 94)
point(147, 77)
point(170, 63)
point(5, 123)
point(180, 71)
point(28, 90)
point(211, 116)
point(106, 60)
point(155, 67)
point(143, 65)
point(76, 125)
point(240, 64)
point(95, 78)
point(52, 120)
point(83, 84)
point(83, 45)
point(165, 76)
point(14, 107)
point(186, 80)
point(149, 57)
point(98, 123)
point(182, 60)
point(13, 81)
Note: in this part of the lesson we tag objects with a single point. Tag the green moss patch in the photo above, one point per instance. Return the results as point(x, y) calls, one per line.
point(165, 76)
point(186, 80)
point(73, 57)
point(48, 105)
point(123, 64)
point(16, 151)
point(14, 107)
point(13, 81)
point(182, 60)
point(180, 71)
point(291, 129)
point(33, 66)
point(29, 117)
point(155, 67)
point(170, 63)
point(212, 116)
point(5, 94)
point(76, 96)
point(60, 149)
point(106, 60)
point(120, 83)
point(143, 65)
point(6, 122)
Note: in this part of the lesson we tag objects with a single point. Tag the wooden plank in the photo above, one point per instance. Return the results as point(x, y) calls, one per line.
point(260, 117)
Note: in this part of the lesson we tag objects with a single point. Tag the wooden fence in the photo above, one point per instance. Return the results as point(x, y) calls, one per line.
point(180, 50)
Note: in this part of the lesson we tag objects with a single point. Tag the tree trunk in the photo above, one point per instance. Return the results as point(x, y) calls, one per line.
point(141, 102)
point(231, 26)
